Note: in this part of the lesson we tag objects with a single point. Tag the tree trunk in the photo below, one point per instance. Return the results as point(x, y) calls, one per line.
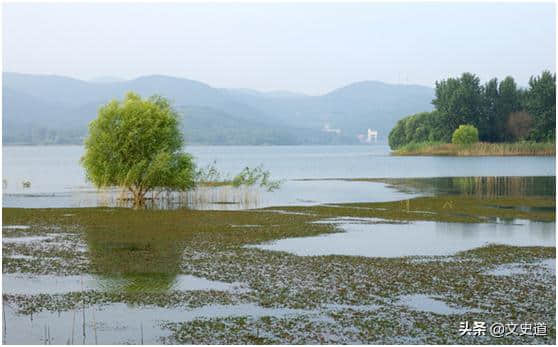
point(139, 198)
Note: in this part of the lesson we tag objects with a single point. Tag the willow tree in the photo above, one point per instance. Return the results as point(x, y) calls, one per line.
point(136, 144)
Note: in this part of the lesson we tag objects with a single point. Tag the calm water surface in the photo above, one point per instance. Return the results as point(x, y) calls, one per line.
point(417, 238)
point(57, 179)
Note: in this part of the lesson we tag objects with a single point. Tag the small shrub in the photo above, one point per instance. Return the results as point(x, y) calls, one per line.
point(465, 135)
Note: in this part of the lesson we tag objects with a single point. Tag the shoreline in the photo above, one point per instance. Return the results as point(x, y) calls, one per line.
point(481, 149)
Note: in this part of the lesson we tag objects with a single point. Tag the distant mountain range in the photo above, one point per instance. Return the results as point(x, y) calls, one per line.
point(45, 109)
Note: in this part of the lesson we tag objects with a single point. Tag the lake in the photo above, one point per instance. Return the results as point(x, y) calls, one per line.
point(57, 179)
point(341, 243)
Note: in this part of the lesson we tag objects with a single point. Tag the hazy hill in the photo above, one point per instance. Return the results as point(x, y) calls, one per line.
point(56, 109)
point(353, 108)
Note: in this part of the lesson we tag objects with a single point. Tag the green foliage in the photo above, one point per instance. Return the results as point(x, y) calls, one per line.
point(540, 102)
point(421, 127)
point(136, 144)
point(460, 99)
point(492, 108)
point(465, 135)
point(499, 101)
point(396, 136)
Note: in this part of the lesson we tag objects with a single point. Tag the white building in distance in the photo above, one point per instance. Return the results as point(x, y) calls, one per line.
point(372, 134)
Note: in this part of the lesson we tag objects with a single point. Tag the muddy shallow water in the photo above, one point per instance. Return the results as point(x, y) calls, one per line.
point(52, 284)
point(118, 323)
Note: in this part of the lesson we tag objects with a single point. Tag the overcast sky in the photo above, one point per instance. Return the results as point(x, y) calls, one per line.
point(310, 48)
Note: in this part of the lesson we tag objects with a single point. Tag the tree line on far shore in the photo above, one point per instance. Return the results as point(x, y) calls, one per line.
point(500, 111)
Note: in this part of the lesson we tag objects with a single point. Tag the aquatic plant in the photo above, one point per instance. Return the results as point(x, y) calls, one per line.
point(251, 177)
point(211, 176)
point(208, 174)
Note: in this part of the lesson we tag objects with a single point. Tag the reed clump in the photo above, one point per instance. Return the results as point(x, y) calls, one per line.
point(479, 149)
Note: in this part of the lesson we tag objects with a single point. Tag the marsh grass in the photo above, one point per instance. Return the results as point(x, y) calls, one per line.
point(478, 149)
point(200, 197)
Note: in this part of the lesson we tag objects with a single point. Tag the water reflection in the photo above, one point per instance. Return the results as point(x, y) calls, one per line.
point(154, 282)
point(131, 262)
point(128, 261)
point(480, 187)
point(120, 323)
point(301, 193)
